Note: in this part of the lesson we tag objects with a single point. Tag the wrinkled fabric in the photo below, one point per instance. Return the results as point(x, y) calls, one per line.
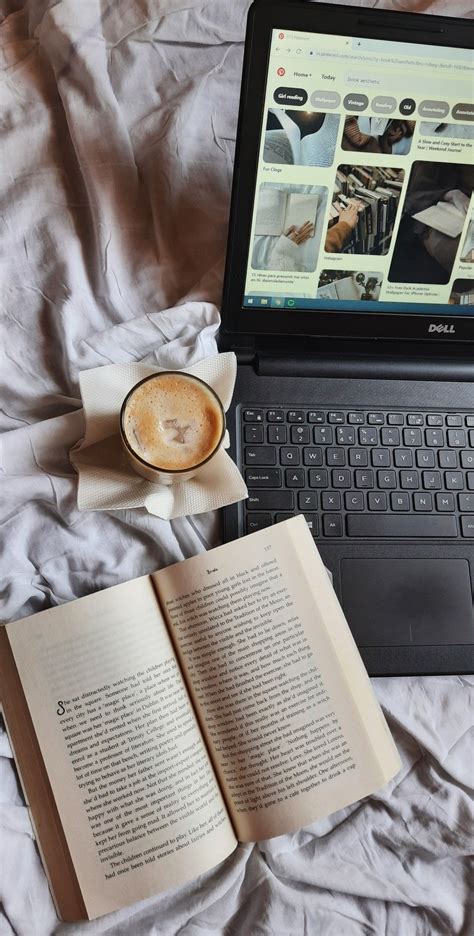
point(118, 122)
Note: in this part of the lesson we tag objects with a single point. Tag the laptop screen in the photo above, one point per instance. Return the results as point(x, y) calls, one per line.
point(364, 190)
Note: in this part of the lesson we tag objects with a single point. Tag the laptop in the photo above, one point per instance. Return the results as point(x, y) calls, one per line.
point(349, 302)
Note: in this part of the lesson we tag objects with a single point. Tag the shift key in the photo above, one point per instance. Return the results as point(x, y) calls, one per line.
point(270, 500)
point(265, 477)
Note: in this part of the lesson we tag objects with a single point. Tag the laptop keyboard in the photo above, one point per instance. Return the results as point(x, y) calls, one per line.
point(359, 473)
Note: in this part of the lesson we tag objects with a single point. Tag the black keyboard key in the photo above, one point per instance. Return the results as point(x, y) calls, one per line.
point(270, 478)
point(380, 458)
point(330, 500)
point(323, 435)
point(357, 419)
point(453, 420)
point(466, 502)
point(258, 521)
point(253, 434)
point(300, 434)
point(400, 501)
point(335, 456)
point(295, 477)
point(281, 517)
point(434, 419)
point(467, 526)
point(409, 480)
point(318, 479)
point(403, 458)
point(368, 436)
point(454, 480)
point(364, 479)
point(390, 435)
point(395, 419)
point(354, 500)
point(260, 455)
point(275, 416)
point(277, 435)
point(413, 436)
point(415, 419)
point(425, 458)
point(307, 500)
point(341, 478)
point(332, 525)
point(313, 456)
point(295, 416)
point(377, 500)
point(467, 459)
point(448, 459)
point(422, 502)
point(336, 418)
point(358, 458)
point(434, 438)
point(290, 455)
point(375, 419)
point(253, 415)
point(456, 438)
point(386, 479)
point(270, 500)
point(431, 480)
point(316, 417)
point(408, 525)
point(345, 435)
point(445, 502)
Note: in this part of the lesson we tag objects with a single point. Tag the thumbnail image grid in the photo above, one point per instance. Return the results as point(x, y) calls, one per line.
point(378, 135)
point(300, 138)
point(363, 209)
point(288, 227)
point(349, 285)
point(434, 214)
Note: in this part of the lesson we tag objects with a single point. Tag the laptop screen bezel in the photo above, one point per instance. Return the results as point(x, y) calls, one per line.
point(264, 16)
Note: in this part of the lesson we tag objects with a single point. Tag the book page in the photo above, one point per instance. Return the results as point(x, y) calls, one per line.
point(442, 217)
point(271, 211)
point(291, 721)
point(277, 148)
point(301, 208)
point(134, 788)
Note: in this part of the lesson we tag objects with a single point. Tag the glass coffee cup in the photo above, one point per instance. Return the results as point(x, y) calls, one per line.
point(171, 425)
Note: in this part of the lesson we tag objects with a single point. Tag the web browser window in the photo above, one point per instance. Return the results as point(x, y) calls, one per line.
point(364, 191)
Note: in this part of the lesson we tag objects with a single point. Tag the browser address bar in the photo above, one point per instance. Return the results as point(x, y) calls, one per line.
point(367, 59)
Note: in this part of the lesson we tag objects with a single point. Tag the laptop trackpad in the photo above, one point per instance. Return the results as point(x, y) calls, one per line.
point(398, 602)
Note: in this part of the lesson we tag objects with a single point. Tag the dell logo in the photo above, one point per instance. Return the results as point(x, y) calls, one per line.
point(446, 329)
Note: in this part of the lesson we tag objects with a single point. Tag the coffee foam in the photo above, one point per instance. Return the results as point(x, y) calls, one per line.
point(172, 421)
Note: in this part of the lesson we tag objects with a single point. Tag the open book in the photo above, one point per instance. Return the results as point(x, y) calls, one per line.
point(443, 217)
point(278, 210)
point(158, 722)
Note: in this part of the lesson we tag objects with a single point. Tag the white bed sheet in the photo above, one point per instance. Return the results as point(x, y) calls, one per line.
point(117, 125)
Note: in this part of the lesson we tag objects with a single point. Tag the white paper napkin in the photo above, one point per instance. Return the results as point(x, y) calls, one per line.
point(107, 482)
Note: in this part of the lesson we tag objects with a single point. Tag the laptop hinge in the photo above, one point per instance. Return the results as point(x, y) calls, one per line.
point(379, 366)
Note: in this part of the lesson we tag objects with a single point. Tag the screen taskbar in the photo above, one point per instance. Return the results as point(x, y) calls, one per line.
point(327, 305)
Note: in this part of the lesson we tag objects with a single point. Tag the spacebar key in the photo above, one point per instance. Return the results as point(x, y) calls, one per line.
point(408, 525)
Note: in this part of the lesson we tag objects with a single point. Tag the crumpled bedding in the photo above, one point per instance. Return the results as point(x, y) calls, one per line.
point(118, 122)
